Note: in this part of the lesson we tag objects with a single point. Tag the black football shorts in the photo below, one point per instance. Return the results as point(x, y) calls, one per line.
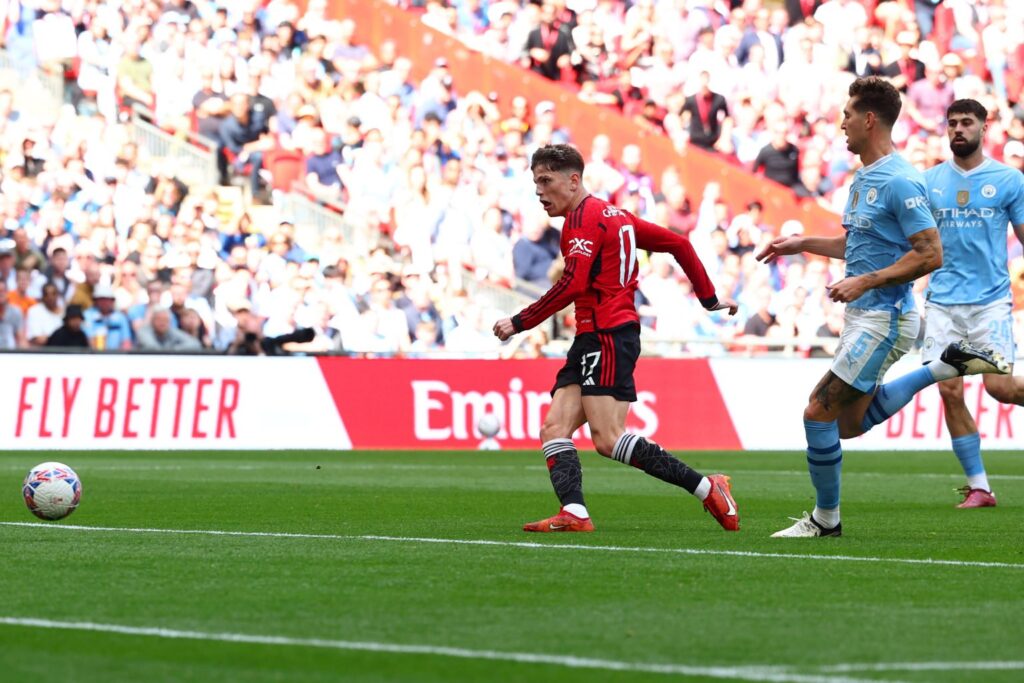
point(602, 363)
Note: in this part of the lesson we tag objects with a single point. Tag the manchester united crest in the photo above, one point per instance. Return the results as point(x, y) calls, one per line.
point(962, 197)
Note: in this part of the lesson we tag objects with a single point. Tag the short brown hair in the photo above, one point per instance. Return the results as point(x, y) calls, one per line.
point(558, 158)
point(877, 95)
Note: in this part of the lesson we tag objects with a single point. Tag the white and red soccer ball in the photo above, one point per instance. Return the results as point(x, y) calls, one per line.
point(52, 490)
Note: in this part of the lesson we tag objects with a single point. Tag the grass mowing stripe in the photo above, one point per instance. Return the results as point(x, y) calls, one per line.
point(771, 674)
point(524, 544)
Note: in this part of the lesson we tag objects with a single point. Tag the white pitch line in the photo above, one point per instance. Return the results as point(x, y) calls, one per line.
point(524, 544)
point(924, 666)
point(770, 674)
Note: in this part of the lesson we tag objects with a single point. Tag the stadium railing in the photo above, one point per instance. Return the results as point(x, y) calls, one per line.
point(45, 91)
point(194, 159)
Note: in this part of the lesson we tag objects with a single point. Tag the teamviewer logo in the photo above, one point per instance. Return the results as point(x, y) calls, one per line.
point(578, 245)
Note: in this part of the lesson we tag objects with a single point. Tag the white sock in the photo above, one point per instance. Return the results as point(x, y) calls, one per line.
point(703, 489)
point(827, 518)
point(577, 510)
point(979, 481)
point(941, 370)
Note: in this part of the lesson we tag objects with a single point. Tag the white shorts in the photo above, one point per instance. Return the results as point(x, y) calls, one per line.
point(870, 343)
point(988, 325)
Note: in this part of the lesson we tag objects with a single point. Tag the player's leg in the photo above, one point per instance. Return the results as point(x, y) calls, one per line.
point(606, 416)
point(608, 389)
point(565, 416)
point(966, 444)
point(836, 406)
point(829, 400)
point(957, 359)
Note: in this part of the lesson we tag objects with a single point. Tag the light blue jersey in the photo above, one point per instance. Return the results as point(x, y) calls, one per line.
point(972, 210)
point(887, 205)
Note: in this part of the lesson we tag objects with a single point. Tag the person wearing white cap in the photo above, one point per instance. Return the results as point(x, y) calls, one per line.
point(106, 327)
point(1013, 154)
point(973, 199)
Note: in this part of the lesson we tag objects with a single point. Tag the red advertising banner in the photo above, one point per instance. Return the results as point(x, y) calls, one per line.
point(437, 403)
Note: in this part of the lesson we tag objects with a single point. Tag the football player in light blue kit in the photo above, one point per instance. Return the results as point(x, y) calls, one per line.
point(973, 199)
point(890, 240)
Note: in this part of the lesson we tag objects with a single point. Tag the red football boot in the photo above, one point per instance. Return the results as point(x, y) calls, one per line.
point(563, 521)
point(721, 504)
point(976, 498)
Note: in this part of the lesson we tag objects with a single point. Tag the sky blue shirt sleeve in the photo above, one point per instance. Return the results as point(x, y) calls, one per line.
point(1016, 208)
point(910, 203)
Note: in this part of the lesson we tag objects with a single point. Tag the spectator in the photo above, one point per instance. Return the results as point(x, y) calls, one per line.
point(928, 99)
point(705, 112)
point(12, 334)
point(549, 46)
point(780, 159)
point(241, 143)
point(322, 166)
point(191, 324)
point(906, 69)
point(26, 255)
point(159, 335)
point(135, 75)
point(763, 319)
point(56, 273)
point(106, 327)
point(43, 319)
point(1013, 154)
point(70, 334)
point(535, 251)
point(19, 298)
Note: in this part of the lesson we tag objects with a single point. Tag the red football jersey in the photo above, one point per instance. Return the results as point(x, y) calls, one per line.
point(599, 243)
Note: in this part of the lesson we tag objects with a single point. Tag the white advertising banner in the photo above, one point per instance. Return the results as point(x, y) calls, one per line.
point(766, 399)
point(165, 402)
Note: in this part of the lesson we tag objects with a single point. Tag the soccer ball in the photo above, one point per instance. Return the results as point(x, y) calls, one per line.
point(488, 425)
point(52, 490)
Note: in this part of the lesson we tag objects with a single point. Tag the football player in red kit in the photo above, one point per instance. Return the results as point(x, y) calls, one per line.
point(595, 386)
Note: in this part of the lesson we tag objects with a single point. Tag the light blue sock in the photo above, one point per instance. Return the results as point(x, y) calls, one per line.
point(968, 452)
point(824, 461)
point(893, 395)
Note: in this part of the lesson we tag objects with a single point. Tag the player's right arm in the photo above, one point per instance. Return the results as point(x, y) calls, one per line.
point(832, 247)
point(584, 243)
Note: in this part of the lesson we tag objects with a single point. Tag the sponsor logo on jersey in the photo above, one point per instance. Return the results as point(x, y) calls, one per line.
point(578, 245)
point(962, 197)
point(610, 212)
point(853, 220)
point(872, 196)
point(988, 192)
point(915, 202)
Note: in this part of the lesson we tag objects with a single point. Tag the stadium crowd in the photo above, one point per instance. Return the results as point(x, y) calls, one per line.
point(101, 245)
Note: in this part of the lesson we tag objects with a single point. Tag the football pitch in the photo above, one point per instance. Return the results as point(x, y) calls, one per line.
point(383, 566)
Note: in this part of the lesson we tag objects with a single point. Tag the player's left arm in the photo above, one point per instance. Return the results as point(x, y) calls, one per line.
point(1016, 208)
point(652, 237)
point(907, 199)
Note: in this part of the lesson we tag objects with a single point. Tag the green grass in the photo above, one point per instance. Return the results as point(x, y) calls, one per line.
point(636, 607)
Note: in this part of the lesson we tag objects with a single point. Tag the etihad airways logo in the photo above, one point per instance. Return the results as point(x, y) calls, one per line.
point(578, 245)
point(964, 214)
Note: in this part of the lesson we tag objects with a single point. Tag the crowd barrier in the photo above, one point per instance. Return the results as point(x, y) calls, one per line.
point(111, 402)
